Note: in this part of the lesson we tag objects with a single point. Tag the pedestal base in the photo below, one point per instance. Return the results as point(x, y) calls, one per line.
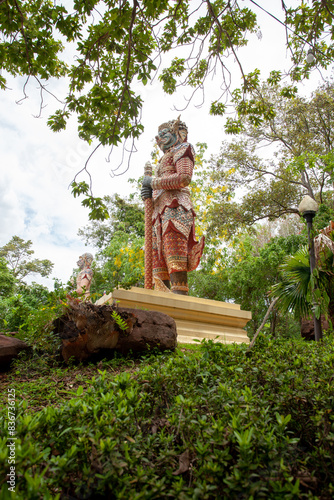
point(196, 319)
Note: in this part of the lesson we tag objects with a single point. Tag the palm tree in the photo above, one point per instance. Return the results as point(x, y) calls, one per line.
point(296, 291)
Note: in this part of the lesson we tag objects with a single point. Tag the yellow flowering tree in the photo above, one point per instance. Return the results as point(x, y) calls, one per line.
point(206, 196)
point(120, 264)
point(119, 261)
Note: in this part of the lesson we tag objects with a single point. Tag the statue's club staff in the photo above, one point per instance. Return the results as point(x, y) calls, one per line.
point(148, 233)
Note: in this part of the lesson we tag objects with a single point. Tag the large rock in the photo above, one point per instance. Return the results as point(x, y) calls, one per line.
point(87, 329)
point(10, 347)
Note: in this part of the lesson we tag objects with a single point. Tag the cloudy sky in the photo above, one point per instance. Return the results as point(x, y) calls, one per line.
point(38, 165)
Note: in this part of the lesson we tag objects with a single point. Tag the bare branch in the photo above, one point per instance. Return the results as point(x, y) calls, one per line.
point(24, 92)
point(85, 169)
point(270, 308)
point(132, 150)
point(221, 31)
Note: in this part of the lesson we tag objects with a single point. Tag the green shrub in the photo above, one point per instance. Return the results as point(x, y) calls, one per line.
point(209, 424)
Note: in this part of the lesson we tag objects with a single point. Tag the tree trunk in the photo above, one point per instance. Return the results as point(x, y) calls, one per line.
point(273, 322)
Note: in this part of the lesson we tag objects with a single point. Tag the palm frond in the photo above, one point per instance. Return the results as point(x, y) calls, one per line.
point(293, 291)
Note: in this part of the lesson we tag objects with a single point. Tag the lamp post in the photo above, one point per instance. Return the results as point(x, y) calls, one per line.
point(310, 58)
point(308, 208)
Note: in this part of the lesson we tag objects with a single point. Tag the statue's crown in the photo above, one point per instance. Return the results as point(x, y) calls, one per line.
point(165, 125)
point(88, 257)
point(175, 127)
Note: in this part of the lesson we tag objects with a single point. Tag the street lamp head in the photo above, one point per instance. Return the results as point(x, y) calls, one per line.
point(308, 204)
point(308, 207)
point(310, 57)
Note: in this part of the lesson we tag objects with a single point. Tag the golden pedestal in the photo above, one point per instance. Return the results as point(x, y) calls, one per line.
point(196, 319)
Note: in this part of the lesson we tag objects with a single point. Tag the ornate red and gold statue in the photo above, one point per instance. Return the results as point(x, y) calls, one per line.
point(175, 250)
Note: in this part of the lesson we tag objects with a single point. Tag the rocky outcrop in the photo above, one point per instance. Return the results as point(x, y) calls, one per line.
point(10, 347)
point(86, 329)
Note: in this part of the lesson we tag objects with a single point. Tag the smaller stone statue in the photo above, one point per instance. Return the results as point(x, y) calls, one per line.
point(85, 276)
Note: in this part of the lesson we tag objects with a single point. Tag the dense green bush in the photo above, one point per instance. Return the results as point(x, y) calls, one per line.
point(210, 423)
point(28, 301)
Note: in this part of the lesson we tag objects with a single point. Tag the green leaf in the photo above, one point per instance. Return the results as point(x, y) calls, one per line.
point(79, 390)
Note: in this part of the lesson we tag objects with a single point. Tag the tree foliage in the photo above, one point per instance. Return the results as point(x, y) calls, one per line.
point(17, 299)
point(272, 186)
point(293, 291)
point(120, 242)
point(119, 264)
point(7, 279)
point(245, 272)
point(302, 293)
point(18, 255)
point(118, 46)
point(123, 215)
point(24, 301)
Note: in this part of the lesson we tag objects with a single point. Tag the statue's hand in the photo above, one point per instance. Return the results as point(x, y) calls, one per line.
point(146, 192)
point(147, 181)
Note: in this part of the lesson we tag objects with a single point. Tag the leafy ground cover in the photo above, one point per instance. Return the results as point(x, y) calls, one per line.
point(208, 422)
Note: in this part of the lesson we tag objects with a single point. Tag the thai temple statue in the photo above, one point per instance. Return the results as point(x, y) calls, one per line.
point(175, 249)
point(85, 276)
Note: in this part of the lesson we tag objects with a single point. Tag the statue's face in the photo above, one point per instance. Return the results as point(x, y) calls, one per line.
point(166, 139)
point(81, 262)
